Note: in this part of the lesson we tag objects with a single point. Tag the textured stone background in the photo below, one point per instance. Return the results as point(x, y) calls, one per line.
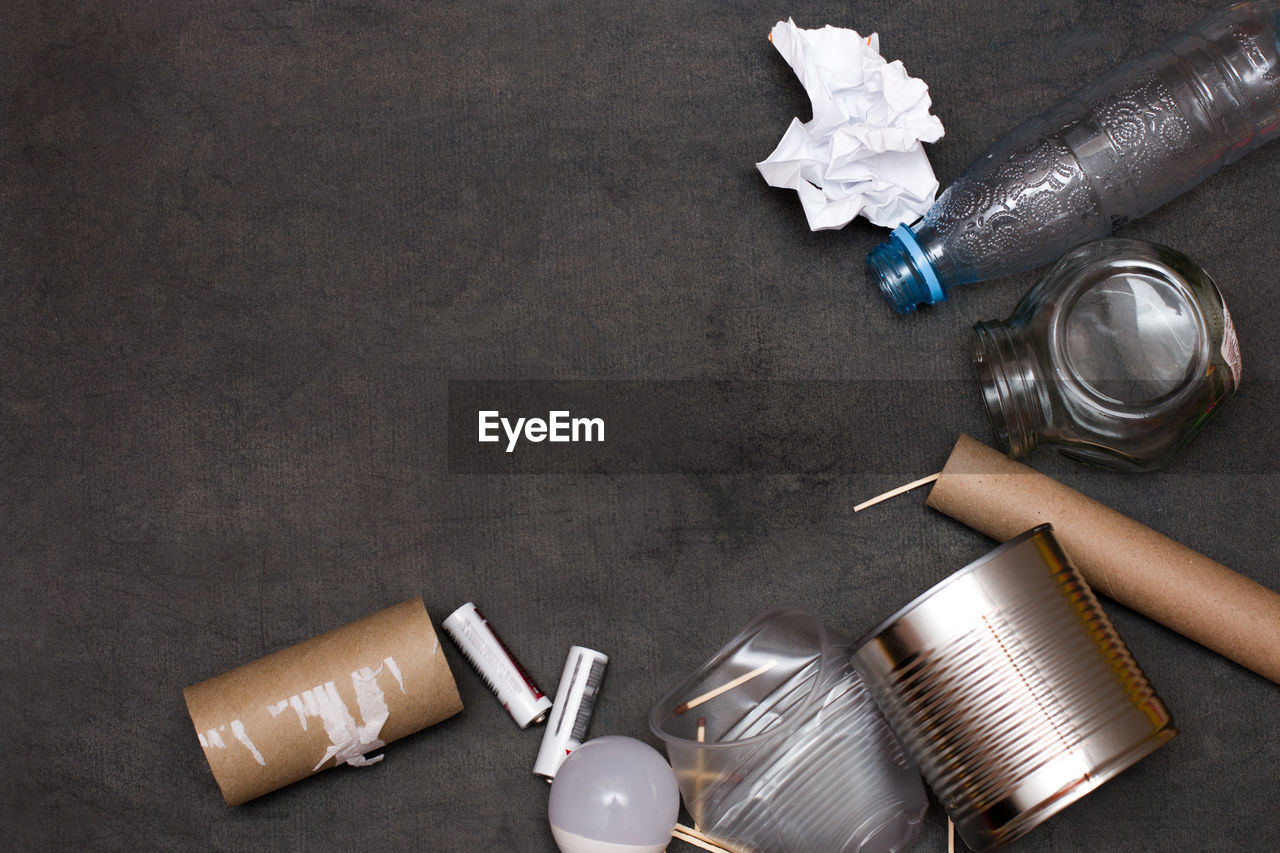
point(244, 247)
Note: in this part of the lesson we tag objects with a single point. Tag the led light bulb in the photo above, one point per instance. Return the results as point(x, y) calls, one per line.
point(614, 795)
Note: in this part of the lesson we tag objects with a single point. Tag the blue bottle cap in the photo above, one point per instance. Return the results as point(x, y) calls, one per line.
point(906, 238)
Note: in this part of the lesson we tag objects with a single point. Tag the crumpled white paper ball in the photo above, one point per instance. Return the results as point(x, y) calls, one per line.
point(861, 153)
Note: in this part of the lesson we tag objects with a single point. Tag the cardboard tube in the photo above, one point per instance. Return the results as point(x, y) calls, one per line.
point(1120, 558)
point(323, 702)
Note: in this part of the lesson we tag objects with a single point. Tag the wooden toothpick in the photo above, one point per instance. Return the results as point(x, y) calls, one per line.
point(893, 493)
point(689, 835)
point(724, 688)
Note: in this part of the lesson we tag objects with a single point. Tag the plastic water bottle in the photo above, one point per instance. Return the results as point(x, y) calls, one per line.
point(1113, 151)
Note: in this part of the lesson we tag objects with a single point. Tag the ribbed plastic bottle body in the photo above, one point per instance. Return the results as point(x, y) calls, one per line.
point(1111, 152)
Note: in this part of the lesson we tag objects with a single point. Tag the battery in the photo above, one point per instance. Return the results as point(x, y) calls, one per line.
point(496, 665)
point(571, 714)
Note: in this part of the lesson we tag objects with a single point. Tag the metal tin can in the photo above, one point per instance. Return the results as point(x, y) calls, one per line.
point(1012, 690)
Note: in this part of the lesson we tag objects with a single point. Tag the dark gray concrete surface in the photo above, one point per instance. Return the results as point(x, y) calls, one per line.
point(244, 247)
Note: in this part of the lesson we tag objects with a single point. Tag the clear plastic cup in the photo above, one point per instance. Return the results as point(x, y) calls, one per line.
point(777, 746)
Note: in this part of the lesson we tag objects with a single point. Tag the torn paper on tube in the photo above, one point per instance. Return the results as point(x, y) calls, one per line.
point(329, 700)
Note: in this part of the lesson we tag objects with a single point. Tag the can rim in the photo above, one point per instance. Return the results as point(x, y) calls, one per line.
point(994, 554)
point(1036, 815)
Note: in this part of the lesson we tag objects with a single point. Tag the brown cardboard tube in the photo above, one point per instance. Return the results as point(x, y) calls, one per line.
point(322, 702)
point(1120, 558)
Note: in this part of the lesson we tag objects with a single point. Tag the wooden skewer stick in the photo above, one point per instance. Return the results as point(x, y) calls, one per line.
point(693, 836)
point(725, 688)
point(951, 836)
point(696, 842)
point(695, 832)
point(893, 493)
point(700, 772)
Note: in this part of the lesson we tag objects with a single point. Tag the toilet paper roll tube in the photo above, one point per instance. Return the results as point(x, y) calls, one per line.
point(323, 702)
point(1120, 558)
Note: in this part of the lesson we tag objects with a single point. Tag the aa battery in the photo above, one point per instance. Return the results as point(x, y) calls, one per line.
point(571, 714)
point(496, 665)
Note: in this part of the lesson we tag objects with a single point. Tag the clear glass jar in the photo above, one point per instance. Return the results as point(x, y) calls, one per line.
point(1118, 356)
